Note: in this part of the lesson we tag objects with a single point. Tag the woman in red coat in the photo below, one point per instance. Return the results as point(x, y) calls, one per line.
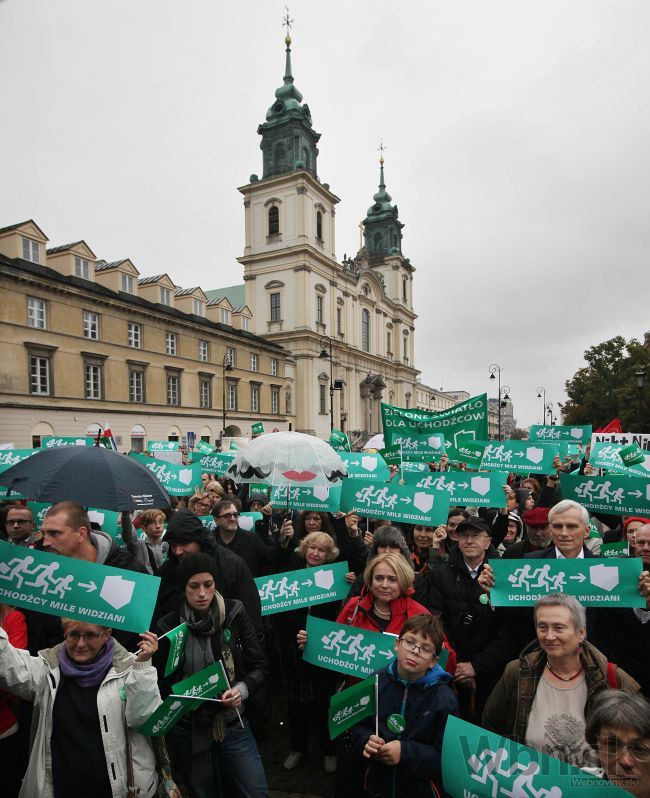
point(13, 622)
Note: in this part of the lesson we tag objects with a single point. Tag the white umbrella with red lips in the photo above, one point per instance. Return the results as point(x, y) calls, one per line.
point(287, 458)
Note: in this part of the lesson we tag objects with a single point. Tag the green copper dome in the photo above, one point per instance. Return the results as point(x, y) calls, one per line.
point(382, 227)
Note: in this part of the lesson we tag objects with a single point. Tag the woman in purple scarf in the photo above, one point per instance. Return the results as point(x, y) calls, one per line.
point(88, 693)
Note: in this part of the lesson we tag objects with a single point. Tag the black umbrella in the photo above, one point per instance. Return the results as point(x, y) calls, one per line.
point(92, 476)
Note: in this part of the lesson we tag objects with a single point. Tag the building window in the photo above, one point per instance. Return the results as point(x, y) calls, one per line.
point(404, 292)
point(275, 400)
point(287, 403)
point(245, 323)
point(205, 392)
point(135, 337)
point(203, 351)
point(81, 268)
point(319, 309)
point(274, 220)
point(225, 316)
point(92, 381)
point(275, 307)
point(255, 398)
point(36, 313)
point(165, 296)
point(389, 343)
point(407, 401)
point(322, 398)
point(253, 362)
point(39, 375)
point(31, 250)
point(170, 339)
point(232, 396)
point(319, 225)
point(173, 389)
point(339, 321)
point(231, 355)
point(405, 349)
point(136, 386)
point(198, 307)
point(127, 283)
point(274, 367)
point(365, 330)
point(91, 325)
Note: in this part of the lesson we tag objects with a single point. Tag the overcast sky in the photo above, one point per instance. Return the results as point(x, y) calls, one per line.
point(517, 151)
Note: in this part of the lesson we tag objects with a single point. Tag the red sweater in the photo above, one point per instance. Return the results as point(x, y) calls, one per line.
point(16, 628)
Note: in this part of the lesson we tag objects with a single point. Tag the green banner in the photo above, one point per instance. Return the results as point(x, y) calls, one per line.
point(422, 446)
point(339, 440)
point(595, 582)
point(167, 716)
point(410, 473)
point(394, 502)
point(257, 428)
point(76, 589)
point(206, 683)
point(346, 649)
point(304, 587)
point(608, 456)
point(247, 520)
point(519, 457)
point(319, 498)
point(9, 458)
point(466, 451)
point(467, 489)
point(392, 455)
point(480, 764)
point(178, 480)
point(217, 463)
point(203, 448)
point(177, 638)
point(352, 705)
point(464, 420)
point(621, 549)
point(53, 441)
point(611, 494)
point(579, 433)
point(162, 446)
point(361, 465)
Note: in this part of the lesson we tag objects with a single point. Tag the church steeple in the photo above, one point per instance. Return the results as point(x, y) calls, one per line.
point(382, 227)
point(288, 138)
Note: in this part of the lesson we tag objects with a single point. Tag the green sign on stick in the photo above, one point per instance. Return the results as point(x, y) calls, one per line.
point(166, 716)
point(178, 480)
point(76, 589)
point(611, 494)
point(608, 456)
point(177, 638)
point(39, 509)
point(204, 684)
point(108, 521)
point(339, 440)
point(53, 441)
point(468, 489)
point(519, 457)
point(595, 582)
point(318, 498)
point(304, 587)
point(480, 764)
point(362, 465)
point(621, 549)
point(394, 502)
point(579, 433)
point(467, 451)
point(346, 649)
point(257, 428)
point(422, 446)
point(352, 705)
point(392, 455)
point(203, 448)
point(162, 446)
point(217, 463)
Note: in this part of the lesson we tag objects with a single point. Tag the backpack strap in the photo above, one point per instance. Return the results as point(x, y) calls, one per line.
point(612, 676)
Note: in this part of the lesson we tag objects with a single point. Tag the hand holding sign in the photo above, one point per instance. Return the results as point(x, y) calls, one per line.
point(486, 578)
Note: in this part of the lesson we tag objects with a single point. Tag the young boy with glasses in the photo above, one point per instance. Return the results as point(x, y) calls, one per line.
point(414, 701)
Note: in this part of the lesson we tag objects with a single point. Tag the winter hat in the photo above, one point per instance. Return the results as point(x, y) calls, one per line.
point(185, 527)
point(515, 517)
point(631, 518)
point(258, 497)
point(389, 536)
point(538, 516)
point(192, 564)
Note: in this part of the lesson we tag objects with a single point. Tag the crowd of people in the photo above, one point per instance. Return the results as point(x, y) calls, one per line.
point(569, 681)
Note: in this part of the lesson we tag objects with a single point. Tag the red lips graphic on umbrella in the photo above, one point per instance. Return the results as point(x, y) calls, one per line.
point(299, 476)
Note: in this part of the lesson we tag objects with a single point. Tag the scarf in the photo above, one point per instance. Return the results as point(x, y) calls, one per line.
point(92, 673)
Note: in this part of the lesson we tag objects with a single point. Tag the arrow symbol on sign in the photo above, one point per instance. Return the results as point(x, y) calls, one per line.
point(636, 493)
point(406, 500)
point(89, 587)
point(387, 654)
point(463, 484)
point(354, 462)
point(307, 583)
point(579, 577)
point(519, 454)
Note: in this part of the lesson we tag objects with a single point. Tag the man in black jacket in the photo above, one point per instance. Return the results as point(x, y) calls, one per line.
point(259, 556)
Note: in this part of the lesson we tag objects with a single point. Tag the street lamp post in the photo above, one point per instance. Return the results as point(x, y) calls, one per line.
point(640, 382)
point(496, 368)
point(335, 385)
point(226, 365)
point(541, 392)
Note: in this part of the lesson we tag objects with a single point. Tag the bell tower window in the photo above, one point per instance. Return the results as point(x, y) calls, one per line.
point(319, 225)
point(274, 220)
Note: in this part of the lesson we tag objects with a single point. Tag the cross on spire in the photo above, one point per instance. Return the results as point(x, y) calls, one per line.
point(287, 22)
point(381, 149)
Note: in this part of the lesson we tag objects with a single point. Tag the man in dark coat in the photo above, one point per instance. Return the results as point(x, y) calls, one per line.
point(259, 556)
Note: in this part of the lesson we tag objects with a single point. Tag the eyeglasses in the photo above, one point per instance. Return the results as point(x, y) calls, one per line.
point(228, 515)
point(19, 521)
point(424, 651)
point(89, 637)
point(613, 747)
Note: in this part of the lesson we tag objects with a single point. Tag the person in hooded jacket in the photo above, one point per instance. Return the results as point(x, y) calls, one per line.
point(414, 702)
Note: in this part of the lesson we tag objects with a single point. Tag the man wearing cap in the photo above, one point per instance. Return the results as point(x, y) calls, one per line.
point(482, 643)
point(186, 535)
point(538, 534)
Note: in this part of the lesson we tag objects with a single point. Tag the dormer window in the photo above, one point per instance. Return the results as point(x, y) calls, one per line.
point(198, 307)
point(274, 220)
point(127, 283)
point(31, 250)
point(225, 316)
point(81, 268)
point(165, 296)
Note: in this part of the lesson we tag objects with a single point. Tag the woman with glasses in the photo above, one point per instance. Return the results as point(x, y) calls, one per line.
point(89, 693)
point(618, 729)
point(414, 702)
point(543, 697)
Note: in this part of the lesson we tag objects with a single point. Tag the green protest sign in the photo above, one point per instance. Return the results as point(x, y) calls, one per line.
point(608, 456)
point(304, 587)
point(632, 455)
point(519, 457)
point(394, 502)
point(38, 510)
point(257, 428)
point(346, 649)
point(480, 764)
point(178, 480)
point(611, 494)
point(467, 489)
point(108, 521)
point(217, 463)
point(162, 446)
point(204, 684)
point(9, 458)
point(339, 440)
point(411, 473)
point(579, 433)
point(247, 520)
point(76, 589)
point(234, 446)
point(352, 705)
point(203, 448)
point(208, 522)
point(177, 638)
point(595, 582)
point(423, 446)
point(464, 420)
point(362, 465)
point(53, 441)
point(621, 549)
point(467, 451)
point(319, 498)
point(642, 439)
point(392, 455)
point(166, 716)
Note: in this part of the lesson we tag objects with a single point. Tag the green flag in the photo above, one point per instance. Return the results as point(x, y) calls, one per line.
point(53, 441)
point(76, 589)
point(203, 448)
point(257, 428)
point(480, 764)
point(578, 433)
point(392, 455)
point(177, 638)
point(595, 582)
point(319, 498)
point(162, 446)
point(394, 502)
point(621, 549)
point(467, 489)
point(166, 716)
point(611, 494)
point(352, 705)
point(206, 683)
point(363, 465)
point(304, 587)
point(339, 440)
point(608, 456)
point(632, 455)
point(519, 457)
point(178, 480)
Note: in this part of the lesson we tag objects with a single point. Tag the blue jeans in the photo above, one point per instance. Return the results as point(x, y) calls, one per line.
point(237, 770)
